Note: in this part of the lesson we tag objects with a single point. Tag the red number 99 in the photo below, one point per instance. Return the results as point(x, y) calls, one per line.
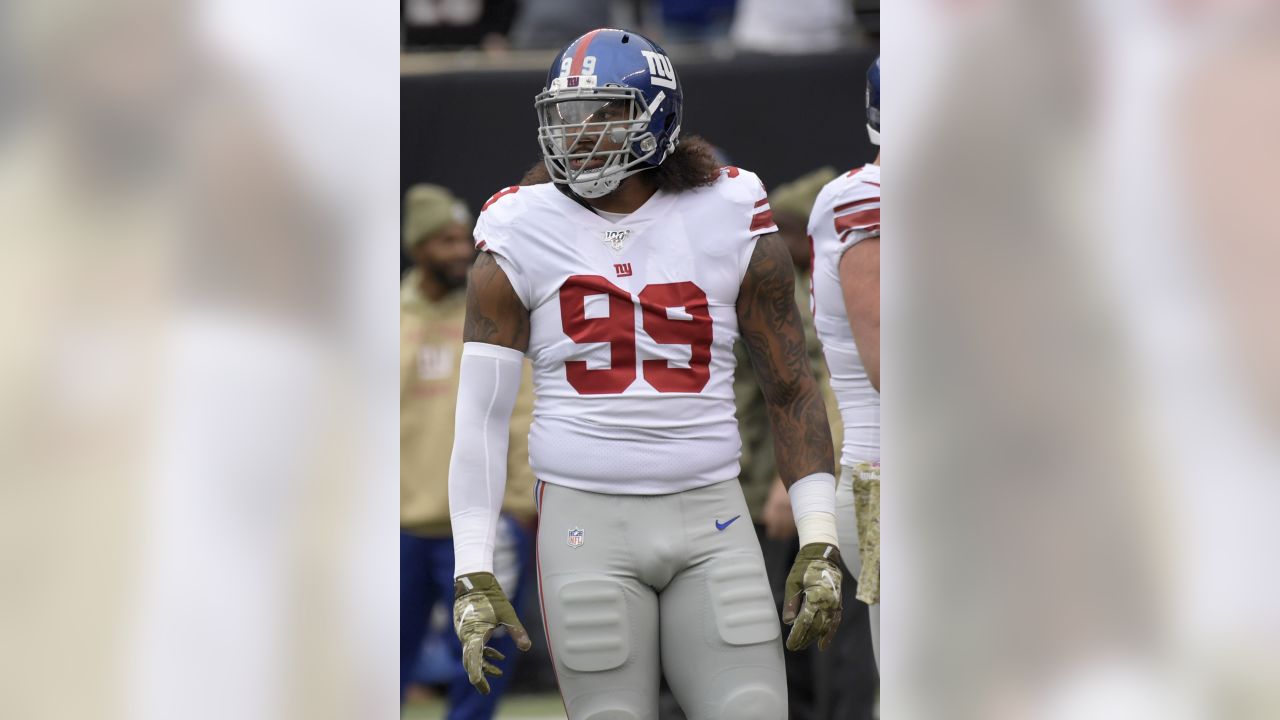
point(618, 329)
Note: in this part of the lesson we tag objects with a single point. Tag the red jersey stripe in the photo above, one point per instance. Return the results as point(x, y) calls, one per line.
point(761, 220)
point(504, 191)
point(762, 202)
point(850, 205)
point(864, 219)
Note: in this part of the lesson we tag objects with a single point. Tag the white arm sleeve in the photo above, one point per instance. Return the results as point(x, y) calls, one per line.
point(487, 386)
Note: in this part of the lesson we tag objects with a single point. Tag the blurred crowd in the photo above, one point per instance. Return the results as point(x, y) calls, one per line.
point(496, 26)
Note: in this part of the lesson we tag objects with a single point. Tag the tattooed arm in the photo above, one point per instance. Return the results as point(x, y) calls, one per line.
point(774, 335)
point(495, 314)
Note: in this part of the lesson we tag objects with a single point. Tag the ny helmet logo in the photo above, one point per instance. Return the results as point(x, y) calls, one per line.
point(623, 269)
point(660, 71)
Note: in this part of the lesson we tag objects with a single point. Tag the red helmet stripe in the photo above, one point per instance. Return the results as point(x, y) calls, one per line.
point(581, 52)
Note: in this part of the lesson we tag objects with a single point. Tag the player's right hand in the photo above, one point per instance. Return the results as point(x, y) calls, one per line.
point(479, 607)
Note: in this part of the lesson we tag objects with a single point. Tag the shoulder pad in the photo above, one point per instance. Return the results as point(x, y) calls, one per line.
point(740, 185)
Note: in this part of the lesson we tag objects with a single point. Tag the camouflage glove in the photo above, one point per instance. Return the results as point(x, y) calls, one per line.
point(866, 502)
point(479, 607)
point(815, 580)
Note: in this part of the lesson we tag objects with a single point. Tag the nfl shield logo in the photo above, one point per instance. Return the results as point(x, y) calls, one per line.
point(575, 537)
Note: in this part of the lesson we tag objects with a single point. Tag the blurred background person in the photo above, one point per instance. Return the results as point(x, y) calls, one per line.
point(437, 239)
point(89, 152)
point(1020, 465)
point(173, 281)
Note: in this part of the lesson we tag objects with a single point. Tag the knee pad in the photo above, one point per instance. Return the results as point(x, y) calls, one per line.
point(615, 704)
point(611, 714)
point(742, 602)
point(594, 634)
point(754, 702)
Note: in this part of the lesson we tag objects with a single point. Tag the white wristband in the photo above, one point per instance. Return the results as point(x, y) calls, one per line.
point(813, 503)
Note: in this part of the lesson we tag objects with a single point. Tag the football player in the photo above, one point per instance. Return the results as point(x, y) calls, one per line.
point(845, 232)
point(626, 277)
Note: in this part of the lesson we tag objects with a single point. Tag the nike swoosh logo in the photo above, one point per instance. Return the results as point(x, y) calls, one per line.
point(727, 523)
point(829, 579)
point(458, 622)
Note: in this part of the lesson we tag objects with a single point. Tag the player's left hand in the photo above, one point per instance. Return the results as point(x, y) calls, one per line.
point(479, 607)
point(814, 602)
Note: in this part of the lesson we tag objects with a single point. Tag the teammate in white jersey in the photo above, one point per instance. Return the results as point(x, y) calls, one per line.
point(845, 231)
point(625, 276)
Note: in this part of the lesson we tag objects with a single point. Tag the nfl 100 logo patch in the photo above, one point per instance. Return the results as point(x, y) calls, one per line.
point(576, 537)
point(616, 239)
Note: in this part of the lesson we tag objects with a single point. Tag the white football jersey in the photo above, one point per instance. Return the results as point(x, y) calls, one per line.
point(632, 330)
point(847, 211)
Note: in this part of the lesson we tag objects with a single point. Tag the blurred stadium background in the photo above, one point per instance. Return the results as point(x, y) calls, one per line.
point(198, 422)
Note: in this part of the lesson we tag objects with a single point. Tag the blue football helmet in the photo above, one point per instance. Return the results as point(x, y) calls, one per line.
point(611, 108)
point(873, 102)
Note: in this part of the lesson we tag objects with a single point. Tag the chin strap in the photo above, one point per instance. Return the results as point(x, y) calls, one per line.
point(597, 188)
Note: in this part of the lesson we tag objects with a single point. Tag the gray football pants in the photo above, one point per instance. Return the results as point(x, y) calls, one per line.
point(652, 585)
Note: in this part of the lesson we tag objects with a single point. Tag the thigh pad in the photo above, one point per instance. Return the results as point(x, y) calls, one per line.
point(742, 602)
point(594, 630)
